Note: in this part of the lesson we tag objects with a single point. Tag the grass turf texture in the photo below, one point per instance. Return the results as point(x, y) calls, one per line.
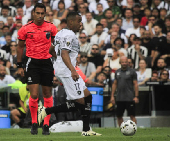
point(109, 134)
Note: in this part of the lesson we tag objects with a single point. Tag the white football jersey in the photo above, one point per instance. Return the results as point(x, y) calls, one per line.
point(65, 39)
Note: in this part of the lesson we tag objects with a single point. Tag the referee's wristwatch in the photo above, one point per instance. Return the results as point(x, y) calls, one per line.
point(137, 96)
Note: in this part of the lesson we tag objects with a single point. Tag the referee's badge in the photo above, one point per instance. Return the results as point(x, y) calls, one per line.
point(48, 35)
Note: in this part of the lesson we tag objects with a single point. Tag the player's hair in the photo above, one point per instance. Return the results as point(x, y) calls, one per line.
point(72, 15)
point(39, 5)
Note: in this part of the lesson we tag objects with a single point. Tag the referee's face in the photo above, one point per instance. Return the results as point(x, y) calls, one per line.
point(39, 15)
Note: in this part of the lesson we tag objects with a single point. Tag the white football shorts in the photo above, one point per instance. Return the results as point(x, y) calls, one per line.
point(73, 89)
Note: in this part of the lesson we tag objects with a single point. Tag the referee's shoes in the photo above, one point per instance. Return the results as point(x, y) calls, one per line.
point(34, 129)
point(46, 130)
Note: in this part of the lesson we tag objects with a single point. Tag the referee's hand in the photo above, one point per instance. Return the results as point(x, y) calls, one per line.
point(74, 75)
point(20, 72)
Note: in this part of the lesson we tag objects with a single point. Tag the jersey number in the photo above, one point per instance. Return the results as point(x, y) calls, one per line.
point(78, 88)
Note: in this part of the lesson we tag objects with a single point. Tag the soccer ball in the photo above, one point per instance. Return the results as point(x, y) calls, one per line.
point(128, 128)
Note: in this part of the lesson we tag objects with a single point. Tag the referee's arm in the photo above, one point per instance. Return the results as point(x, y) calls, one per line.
point(20, 50)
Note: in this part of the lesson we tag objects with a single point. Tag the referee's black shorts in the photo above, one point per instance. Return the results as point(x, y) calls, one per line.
point(128, 105)
point(39, 71)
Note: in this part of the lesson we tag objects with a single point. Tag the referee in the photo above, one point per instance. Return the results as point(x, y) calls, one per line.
point(38, 35)
point(127, 90)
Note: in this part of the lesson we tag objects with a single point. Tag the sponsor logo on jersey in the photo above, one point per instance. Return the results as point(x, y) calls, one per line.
point(68, 43)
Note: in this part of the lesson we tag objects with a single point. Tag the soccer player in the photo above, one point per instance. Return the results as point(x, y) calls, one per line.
point(67, 48)
point(38, 35)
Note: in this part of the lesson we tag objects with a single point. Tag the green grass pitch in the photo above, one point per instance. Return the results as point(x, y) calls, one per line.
point(109, 134)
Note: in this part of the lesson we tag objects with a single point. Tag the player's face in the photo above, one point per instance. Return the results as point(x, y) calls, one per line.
point(39, 15)
point(77, 24)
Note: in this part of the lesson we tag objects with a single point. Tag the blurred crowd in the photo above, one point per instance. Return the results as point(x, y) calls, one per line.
point(138, 29)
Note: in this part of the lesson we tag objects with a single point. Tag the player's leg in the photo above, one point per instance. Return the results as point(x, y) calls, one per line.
point(86, 114)
point(131, 111)
point(87, 111)
point(119, 111)
point(71, 105)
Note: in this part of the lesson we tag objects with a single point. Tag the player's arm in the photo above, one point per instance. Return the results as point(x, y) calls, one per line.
point(53, 33)
point(66, 59)
point(52, 51)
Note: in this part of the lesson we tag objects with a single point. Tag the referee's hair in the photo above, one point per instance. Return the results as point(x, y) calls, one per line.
point(39, 5)
point(72, 15)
